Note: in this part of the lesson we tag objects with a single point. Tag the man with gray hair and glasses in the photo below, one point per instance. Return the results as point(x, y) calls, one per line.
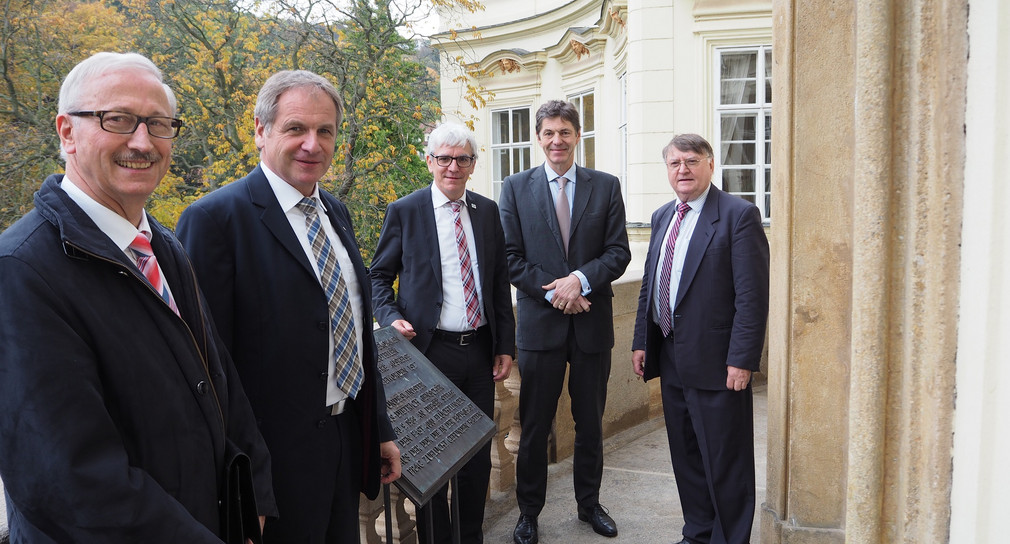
point(119, 406)
point(447, 247)
point(700, 328)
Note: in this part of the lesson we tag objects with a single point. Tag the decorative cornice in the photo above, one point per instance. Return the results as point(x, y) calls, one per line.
point(614, 19)
point(576, 44)
point(508, 61)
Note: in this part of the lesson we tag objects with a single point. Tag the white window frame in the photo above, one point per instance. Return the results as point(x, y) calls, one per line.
point(579, 101)
point(622, 128)
point(511, 148)
point(761, 110)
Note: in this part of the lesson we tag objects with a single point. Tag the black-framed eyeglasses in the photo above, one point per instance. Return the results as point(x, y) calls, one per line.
point(689, 163)
point(120, 122)
point(464, 161)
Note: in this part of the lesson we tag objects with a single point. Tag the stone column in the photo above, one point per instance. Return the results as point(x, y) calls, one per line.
point(868, 154)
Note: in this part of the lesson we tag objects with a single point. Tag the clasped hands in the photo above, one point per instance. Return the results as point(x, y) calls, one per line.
point(568, 295)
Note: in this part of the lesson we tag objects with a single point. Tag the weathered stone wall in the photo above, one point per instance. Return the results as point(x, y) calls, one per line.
point(869, 154)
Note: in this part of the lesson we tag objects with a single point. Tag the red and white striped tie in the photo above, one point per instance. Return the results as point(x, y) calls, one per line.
point(148, 265)
point(666, 313)
point(466, 269)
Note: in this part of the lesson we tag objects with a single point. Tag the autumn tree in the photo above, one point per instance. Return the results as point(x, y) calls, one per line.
point(215, 55)
point(40, 41)
point(389, 99)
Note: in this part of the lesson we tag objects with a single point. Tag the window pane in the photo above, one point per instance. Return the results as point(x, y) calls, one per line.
point(738, 127)
point(768, 139)
point(739, 91)
point(501, 163)
point(735, 154)
point(524, 160)
point(768, 206)
point(500, 127)
point(738, 181)
point(590, 147)
point(589, 113)
point(768, 76)
point(496, 189)
point(738, 77)
point(741, 64)
point(521, 125)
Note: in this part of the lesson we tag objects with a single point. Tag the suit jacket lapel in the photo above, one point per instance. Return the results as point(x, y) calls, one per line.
point(274, 218)
point(656, 246)
point(426, 211)
point(479, 232)
point(544, 200)
point(583, 190)
point(700, 241)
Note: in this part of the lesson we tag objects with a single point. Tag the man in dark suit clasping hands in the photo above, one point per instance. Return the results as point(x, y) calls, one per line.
point(566, 241)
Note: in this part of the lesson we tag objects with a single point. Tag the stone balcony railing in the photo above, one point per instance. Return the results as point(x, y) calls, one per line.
point(629, 402)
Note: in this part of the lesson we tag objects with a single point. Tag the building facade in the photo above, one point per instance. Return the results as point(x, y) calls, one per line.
point(889, 319)
point(700, 67)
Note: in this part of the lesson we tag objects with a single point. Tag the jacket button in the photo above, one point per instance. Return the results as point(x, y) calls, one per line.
point(202, 388)
point(323, 376)
point(321, 423)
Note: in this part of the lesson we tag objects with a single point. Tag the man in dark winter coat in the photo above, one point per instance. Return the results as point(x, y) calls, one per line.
point(117, 401)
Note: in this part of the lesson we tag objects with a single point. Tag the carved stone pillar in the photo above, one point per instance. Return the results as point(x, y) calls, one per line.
point(373, 521)
point(503, 466)
point(868, 156)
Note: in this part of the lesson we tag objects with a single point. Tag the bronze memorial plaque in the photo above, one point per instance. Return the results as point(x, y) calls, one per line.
point(438, 428)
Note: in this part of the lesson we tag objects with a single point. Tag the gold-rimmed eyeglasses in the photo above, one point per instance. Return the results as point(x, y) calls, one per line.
point(689, 163)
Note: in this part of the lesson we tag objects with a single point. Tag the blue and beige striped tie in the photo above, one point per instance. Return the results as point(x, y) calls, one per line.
point(348, 371)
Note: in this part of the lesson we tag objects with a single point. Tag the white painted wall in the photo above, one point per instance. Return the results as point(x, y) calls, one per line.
point(979, 498)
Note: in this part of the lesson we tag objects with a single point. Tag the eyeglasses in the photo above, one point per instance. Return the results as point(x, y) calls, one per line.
point(689, 163)
point(463, 161)
point(120, 122)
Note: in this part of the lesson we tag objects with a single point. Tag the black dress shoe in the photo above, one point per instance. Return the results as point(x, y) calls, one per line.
point(601, 521)
point(526, 530)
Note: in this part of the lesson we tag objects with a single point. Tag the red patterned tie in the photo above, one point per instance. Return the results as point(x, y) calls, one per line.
point(666, 314)
point(466, 269)
point(148, 265)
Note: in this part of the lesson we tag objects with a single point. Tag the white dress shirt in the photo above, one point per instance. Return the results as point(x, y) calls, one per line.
point(288, 197)
point(453, 314)
point(679, 252)
point(115, 226)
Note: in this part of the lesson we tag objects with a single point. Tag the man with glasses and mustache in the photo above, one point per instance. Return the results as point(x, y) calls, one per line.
point(454, 304)
point(118, 402)
point(700, 328)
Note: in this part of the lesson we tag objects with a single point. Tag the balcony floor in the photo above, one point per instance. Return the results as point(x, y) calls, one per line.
point(638, 488)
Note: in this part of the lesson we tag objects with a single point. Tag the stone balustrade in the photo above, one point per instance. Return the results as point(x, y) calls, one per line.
point(629, 402)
